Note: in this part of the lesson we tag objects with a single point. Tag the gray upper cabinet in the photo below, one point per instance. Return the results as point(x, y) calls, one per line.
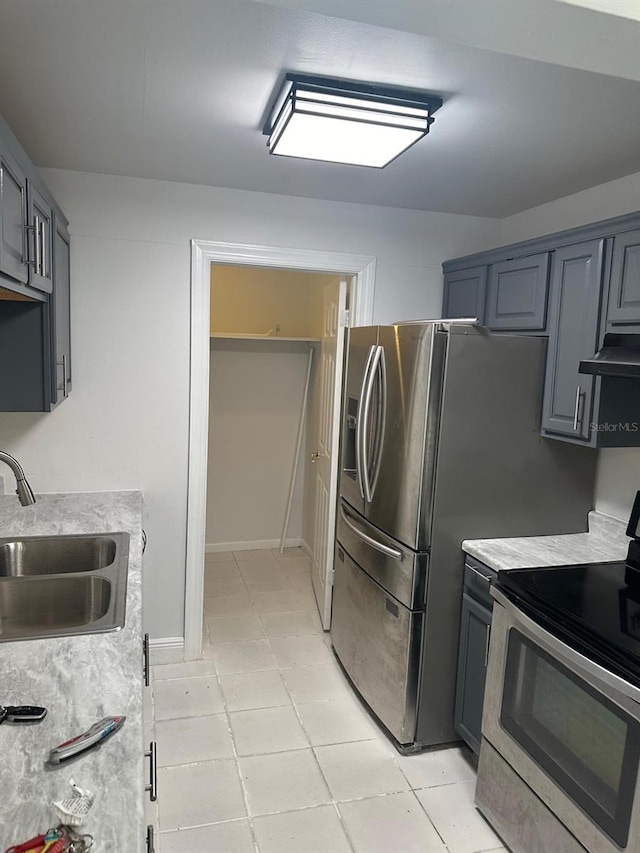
point(517, 295)
point(13, 219)
point(61, 338)
point(465, 293)
point(35, 353)
point(573, 286)
point(624, 292)
point(573, 335)
point(40, 230)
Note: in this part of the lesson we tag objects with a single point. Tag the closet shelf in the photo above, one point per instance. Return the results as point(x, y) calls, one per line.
point(265, 338)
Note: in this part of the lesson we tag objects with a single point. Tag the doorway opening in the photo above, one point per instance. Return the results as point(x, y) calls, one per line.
point(206, 256)
point(275, 379)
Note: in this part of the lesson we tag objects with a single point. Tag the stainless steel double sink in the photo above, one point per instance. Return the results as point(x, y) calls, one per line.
point(56, 586)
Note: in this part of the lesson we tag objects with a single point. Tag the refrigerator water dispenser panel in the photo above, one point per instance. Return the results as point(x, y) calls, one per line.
point(351, 424)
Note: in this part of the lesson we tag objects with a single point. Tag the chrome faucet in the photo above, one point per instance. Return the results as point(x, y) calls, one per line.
point(24, 491)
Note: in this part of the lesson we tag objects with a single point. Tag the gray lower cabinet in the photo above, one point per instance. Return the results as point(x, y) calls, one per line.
point(465, 293)
point(475, 627)
point(473, 651)
point(517, 294)
point(573, 335)
point(624, 292)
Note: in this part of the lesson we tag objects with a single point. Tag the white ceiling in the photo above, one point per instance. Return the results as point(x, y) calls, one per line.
point(177, 90)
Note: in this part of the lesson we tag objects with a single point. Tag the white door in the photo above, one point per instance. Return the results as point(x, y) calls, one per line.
point(325, 454)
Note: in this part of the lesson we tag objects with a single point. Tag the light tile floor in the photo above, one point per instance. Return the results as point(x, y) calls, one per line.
point(263, 746)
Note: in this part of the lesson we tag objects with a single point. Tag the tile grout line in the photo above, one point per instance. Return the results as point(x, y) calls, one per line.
point(245, 794)
point(323, 777)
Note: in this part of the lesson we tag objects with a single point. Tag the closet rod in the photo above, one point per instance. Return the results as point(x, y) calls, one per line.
point(292, 483)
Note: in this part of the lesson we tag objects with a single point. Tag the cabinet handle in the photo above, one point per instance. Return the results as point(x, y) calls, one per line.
point(486, 646)
point(36, 240)
point(152, 787)
point(576, 410)
point(151, 846)
point(25, 254)
point(63, 386)
point(43, 247)
point(145, 656)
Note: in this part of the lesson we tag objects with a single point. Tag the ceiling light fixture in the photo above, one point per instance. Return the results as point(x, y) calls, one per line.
point(318, 118)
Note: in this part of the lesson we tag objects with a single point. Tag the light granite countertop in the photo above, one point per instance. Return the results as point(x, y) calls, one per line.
point(79, 680)
point(606, 541)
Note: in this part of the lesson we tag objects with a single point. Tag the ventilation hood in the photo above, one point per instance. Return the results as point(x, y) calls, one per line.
point(619, 356)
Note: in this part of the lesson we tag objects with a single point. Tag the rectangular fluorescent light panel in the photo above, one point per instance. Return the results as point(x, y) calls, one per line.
point(320, 119)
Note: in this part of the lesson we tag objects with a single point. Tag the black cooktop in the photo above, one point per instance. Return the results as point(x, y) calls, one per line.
point(590, 607)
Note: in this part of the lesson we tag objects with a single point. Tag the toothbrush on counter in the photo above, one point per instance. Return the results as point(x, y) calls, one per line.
point(94, 736)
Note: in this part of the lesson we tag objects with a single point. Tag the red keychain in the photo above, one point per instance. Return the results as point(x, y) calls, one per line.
point(34, 843)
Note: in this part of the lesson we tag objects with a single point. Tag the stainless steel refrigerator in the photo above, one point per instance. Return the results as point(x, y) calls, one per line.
point(440, 443)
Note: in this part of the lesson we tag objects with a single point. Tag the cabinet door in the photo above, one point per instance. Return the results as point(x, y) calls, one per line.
point(13, 219)
point(575, 295)
point(473, 653)
point(517, 297)
point(464, 293)
point(24, 356)
point(61, 322)
point(41, 240)
point(624, 292)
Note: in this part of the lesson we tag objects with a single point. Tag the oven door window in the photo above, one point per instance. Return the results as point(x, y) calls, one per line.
point(588, 745)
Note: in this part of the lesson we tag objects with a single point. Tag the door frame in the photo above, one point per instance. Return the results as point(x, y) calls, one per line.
point(204, 253)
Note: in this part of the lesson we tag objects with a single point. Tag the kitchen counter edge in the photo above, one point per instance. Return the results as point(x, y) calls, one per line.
point(79, 680)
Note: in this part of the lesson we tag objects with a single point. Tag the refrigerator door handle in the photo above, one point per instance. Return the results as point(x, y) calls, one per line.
point(379, 546)
point(382, 419)
point(364, 421)
point(361, 455)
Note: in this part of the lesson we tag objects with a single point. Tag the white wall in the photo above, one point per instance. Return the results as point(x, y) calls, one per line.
point(618, 476)
point(256, 391)
point(126, 422)
point(255, 300)
point(600, 202)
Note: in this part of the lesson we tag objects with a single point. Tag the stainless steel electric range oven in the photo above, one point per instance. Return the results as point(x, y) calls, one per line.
point(560, 756)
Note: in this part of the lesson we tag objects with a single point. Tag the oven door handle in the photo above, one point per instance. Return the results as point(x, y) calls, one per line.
point(567, 655)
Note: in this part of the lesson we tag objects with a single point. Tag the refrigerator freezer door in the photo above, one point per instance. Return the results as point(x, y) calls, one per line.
point(378, 642)
point(401, 452)
point(363, 341)
point(398, 569)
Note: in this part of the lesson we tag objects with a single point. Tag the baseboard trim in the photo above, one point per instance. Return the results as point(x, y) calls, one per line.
point(256, 544)
point(166, 650)
point(306, 548)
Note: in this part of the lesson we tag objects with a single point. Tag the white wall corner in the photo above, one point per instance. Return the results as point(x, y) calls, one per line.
point(307, 550)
